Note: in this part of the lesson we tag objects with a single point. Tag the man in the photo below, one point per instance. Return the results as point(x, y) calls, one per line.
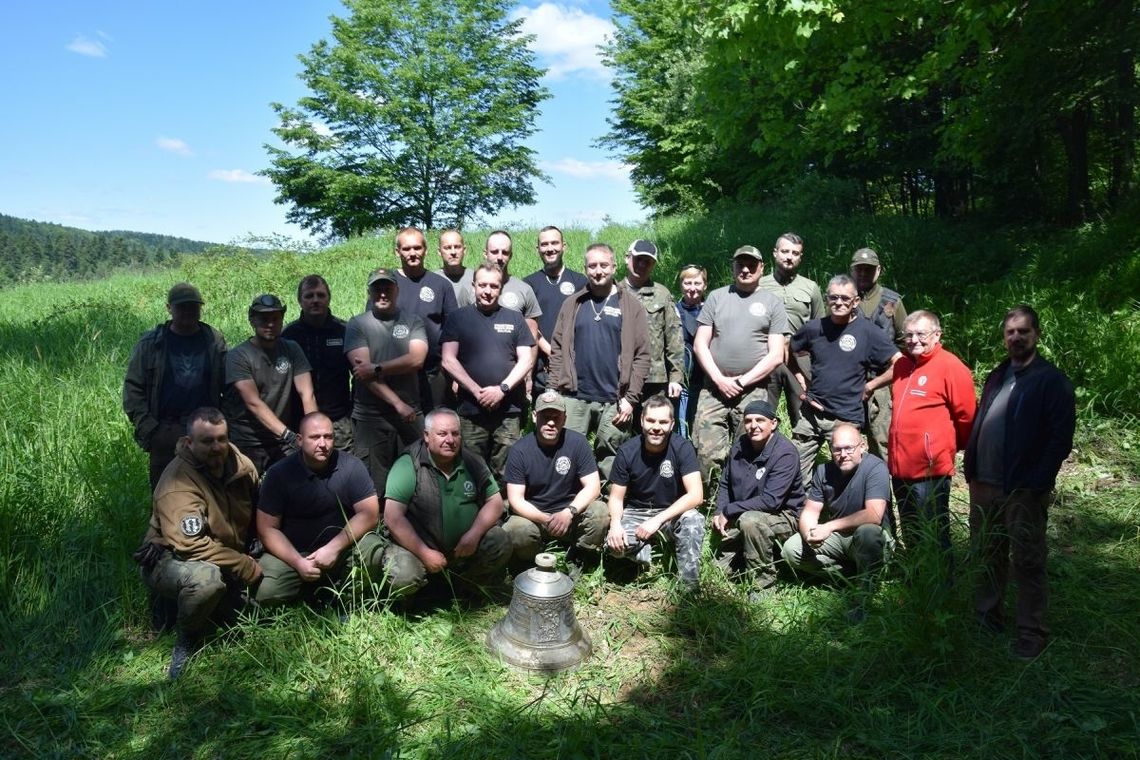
point(552, 285)
point(515, 294)
point(321, 336)
point(489, 352)
point(803, 302)
point(386, 347)
point(261, 375)
point(553, 488)
point(933, 412)
point(194, 551)
point(666, 341)
point(317, 508)
point(1022, 435)
point(442, 507)
point(175, 368)
point(884, 307)
point(599, 356)
point(432, 298)
point(452, 249)
point(759, 499)
point(852, 493)
point(739, 342)
point(655, 489)
point(844, 349)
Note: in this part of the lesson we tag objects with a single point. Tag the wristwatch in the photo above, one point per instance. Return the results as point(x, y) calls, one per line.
point(379, 370)
point(504, 388)
point(574, 511)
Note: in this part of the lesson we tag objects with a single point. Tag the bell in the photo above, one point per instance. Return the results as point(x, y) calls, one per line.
point(540, 632)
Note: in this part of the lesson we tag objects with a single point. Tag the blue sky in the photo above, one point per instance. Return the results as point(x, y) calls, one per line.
point(152, 116)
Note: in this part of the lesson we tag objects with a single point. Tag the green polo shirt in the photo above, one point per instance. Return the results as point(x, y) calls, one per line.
point(457, 491)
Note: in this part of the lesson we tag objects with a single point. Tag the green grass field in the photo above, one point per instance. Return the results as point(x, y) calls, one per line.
point(714, 677)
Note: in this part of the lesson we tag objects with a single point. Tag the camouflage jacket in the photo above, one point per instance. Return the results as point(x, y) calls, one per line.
point(666, 339)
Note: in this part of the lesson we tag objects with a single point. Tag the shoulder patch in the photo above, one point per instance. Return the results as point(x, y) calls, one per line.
point(192, 526)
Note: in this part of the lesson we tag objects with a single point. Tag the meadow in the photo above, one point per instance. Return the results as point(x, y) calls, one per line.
point(708, 677)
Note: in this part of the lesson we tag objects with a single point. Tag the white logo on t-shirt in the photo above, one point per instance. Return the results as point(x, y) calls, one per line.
point(562, 465)
point(566, 288)
point(666, 469)
point(504, 328)
point(760, 473)
point(401, 331)
point(922, 380)
point(468, 488)
point(281, 365)
point(510, 300)
point(847, 343)
point(427, 295)
point(757, 309)
point(612, 311)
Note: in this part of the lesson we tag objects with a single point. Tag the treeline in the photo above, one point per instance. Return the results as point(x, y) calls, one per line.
point(1016, 109)
point(40, 252)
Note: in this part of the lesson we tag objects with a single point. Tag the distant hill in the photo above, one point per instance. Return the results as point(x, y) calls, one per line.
point(33, 251)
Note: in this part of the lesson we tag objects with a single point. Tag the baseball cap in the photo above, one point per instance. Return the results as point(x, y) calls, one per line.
point(642, 248)
point(748, 250)
point(550, 400)
point(183, 292)
point(266, 303)
point(865, 256)
point(761, 407)
point(381, 275)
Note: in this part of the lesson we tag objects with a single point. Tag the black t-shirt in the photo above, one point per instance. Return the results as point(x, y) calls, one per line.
point(550, 295)
point(432, 298)
point(330, 370)
point(653, 481)
point(488, 350)
point(842, 356)
point(597, 345)
point(314, 507)
point(186, 377)
point(843, 495)
point(552, 476)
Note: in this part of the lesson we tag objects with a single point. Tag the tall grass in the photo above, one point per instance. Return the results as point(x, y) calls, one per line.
point(711, 677)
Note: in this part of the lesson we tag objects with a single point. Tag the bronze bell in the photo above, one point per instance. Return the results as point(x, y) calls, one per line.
point(540, 632)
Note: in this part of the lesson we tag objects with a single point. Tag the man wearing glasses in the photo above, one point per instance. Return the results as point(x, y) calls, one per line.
point(845, 525)
point(845, 348)
point(933, 400)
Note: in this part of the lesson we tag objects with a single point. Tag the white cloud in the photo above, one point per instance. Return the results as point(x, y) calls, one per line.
point(87, 46)
point(174, 145)
point(579, 169)
point(238, 175)
point(566, 39)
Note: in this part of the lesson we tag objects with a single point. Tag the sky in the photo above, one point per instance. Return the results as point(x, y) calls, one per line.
point(153, 116)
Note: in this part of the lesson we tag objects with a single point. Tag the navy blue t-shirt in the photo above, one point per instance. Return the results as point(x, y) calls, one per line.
point(842, 357)
point(653, 481)
point(553, 477)
point(432, 298)
point(550, 295)
point(488, 350)
point(314, 507)
point(843, 495)
point(330, 369)
point(597, 345)
point(186, 377)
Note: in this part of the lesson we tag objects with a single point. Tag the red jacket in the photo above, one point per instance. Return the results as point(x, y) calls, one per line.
point(932, 414)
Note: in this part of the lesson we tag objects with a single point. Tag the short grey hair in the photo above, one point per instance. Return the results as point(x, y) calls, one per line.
point(443, 411)
point(841, 281)
point(929, 316)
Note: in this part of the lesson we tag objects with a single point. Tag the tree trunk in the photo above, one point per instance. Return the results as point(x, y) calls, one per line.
point(1122, 139)
point(1074, 130)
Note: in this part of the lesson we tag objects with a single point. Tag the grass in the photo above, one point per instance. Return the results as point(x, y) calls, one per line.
point(716, 677)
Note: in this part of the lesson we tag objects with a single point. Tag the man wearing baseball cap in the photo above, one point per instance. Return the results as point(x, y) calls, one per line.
point(259, 375)
point(175, 368)
point(759, 500)
point(666, 341)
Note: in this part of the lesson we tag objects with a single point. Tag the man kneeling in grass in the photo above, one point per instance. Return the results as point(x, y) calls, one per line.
point(442, 507)
point(303, 517)
point(195, 548)
point(655, 489)
point(853, 491)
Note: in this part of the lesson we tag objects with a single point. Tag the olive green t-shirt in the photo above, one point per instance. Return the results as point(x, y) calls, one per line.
point(457, 492)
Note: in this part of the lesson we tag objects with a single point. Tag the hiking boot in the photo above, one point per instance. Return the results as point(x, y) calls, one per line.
point(184, 647)
point(1026, 650)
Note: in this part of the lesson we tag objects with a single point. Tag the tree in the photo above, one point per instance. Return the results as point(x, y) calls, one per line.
point(418, 113)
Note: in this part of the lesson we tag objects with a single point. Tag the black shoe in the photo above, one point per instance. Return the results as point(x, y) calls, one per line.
point(184, 647)
point(1026, 650)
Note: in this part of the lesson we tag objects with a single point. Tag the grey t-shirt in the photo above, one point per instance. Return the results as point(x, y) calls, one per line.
point(991, 435)
point(741, 323)
point(385, 339)
point(272, 372)
point(843, 495)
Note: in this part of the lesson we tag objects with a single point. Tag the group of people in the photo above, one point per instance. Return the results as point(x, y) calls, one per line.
point(394, 443)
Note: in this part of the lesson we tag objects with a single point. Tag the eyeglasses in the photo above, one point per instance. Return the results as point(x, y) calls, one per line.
point(841, 450)
point(834, 298)
point(919, 335)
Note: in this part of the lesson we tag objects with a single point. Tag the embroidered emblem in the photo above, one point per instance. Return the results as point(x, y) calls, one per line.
point(192, 526)
point(468, 488)
point(757, 310)
point(922, 380)
point(847, 343)
point(281, 365)
point(400, 331)
point(427, 295)
point(562, 465)
point(511, 300)
point(761, 473)
point(566, 288)
point(666, 469)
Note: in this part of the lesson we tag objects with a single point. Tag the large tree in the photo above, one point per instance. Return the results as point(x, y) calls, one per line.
point(418, 114)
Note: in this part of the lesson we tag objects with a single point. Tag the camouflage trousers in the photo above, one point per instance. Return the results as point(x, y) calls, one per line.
point(205, 595)
point(685, 533)
point(379, 442)
point(404, 574)
point(342, 433)
point(839, 557)
point(491, 437)
point(281, 584)
point(879, 422)
point(808, 436)
point(717, 423)
point(753, 542)
point(597, 417)
point(587, 531)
